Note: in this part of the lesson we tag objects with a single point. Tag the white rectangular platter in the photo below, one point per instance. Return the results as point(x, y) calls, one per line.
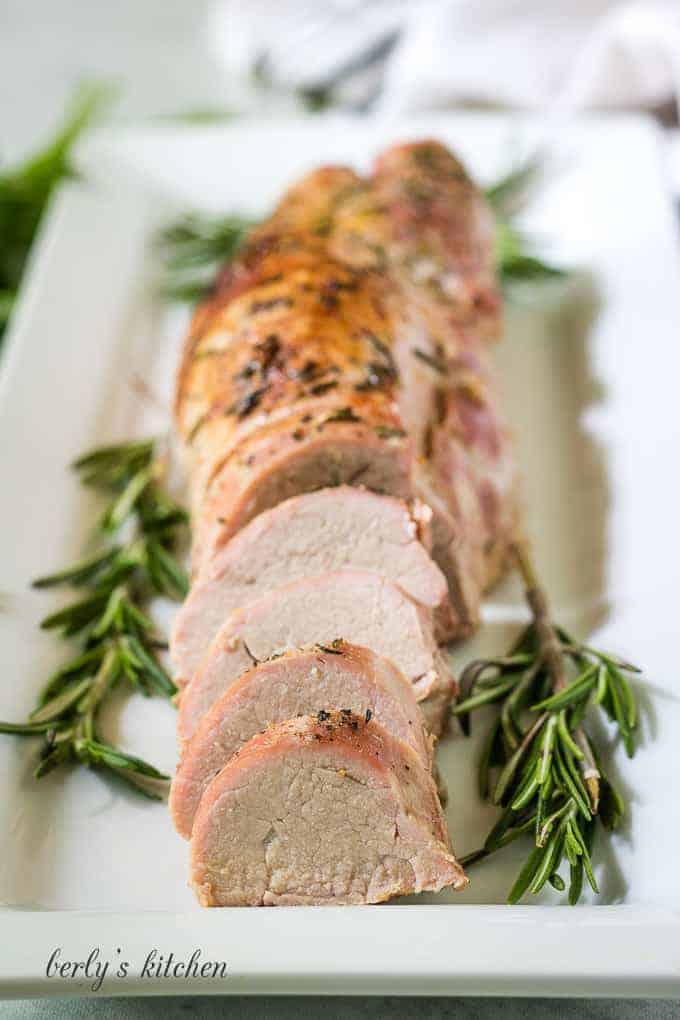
point(590, 375)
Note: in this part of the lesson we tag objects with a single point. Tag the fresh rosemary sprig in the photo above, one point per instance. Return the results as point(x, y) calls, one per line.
point(549, 779)
point(118, 641)
point(193, 251)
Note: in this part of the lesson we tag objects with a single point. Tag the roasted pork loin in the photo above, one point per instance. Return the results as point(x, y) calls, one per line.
point(338, 409)
point(325, 809)
point(307, 535)
point(353, 605)
point(347, 344)
point(302, 682)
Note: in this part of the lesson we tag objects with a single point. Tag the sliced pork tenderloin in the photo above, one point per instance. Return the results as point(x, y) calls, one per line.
point(290, 323)
point(302, 537)
point(360, 607)
point(360, 298)
point(329, 809)
point(306, 451)
point(303, 682)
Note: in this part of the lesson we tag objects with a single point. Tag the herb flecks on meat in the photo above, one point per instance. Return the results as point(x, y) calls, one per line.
point(343, 414)
point(433, 361)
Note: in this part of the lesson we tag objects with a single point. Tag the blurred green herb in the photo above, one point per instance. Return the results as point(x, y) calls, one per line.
point(510, 191)
point(516, 259)
point(516, 263)
point(316, 99)
point(26, 189)
point(138, 531)
point(549, 779)
point(194, 249)
point(200, 115)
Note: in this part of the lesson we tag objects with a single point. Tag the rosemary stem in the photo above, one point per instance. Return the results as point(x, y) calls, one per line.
point(551, 655)
point(549, 642)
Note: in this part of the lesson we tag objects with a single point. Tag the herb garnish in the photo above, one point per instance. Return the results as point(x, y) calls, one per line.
point(378, 376)
point(269, 303)
point(342, 414)
point(26, 189)
point(335, 647)
point(194, 250)
point(551, 783)
point(438, 364)
point(515, 261)
point(246, 405)
point(118, 641)
point(323, 387)
point(389, 432)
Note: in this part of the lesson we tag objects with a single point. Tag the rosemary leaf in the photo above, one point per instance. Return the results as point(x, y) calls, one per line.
point(80, 573)
point(103, 754)
point(59, 705)
point(566, 736)
point(557, 882)
point(152, 669)
point(611, 805)
point(547, 746)
point(124, 504)
point(574, 786)
point(575, 829)
point(508, 772)
point(82, 665)
point(75, 617)
point(128, 456)
point(25, 729)
point(576, 882)
point(526, 875)
point(58, 755)
point(171, 578)
point(134, 781)
point(487, 760)
point(550, 859)
point(527, 790)
point(484, 697)
point(573, 692)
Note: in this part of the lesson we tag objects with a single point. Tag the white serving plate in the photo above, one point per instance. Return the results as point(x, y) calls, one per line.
point(591, 383)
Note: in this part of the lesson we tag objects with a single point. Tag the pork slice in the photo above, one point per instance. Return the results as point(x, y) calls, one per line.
point(360, 607)
point(307, 681)
point(321, 810)
point(308, 450)
point(302, 537)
